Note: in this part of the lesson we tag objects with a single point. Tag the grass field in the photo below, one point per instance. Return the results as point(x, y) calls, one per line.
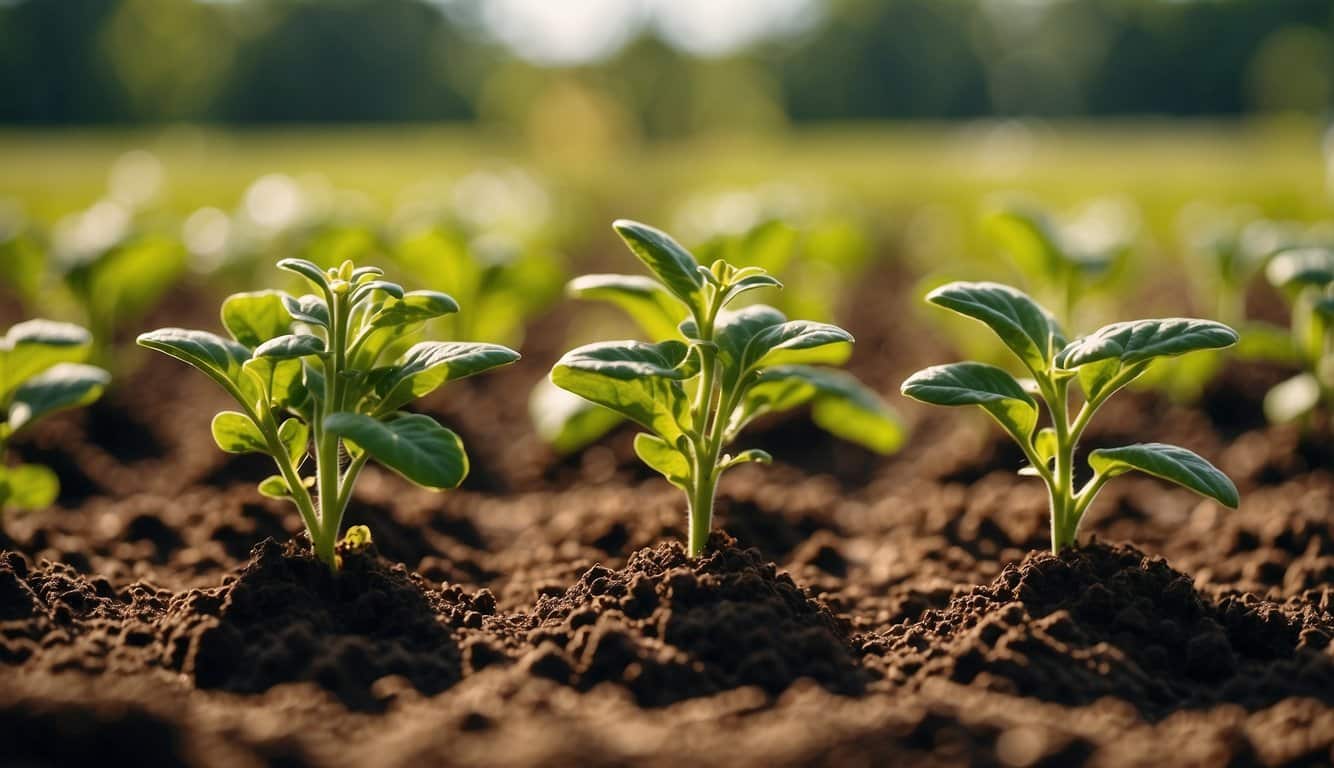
point(1277, 165)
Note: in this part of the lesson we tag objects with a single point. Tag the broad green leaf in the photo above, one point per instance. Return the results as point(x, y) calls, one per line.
point(124, 283)
point(64, 385)
point(987, 386)
point(414, 307)
point(309, 309)
point(272, 382)
point(307, 269)
point(1137, 341)
point(429, 364)
point(672, 264)
point(291, 347)
point(1292, 398)
point(274, 487)
point(254, 318)
point(33, 346)
point(28, 487)
point(1169, 462)
point(219, 358)
point(365, 272)
point(236, 433)
point(567, 422)
point(663, 459)
point(752, 455)
point(1026, 328)
point(632, 378)
point(1099, 380)
point(653, 309)
point(734, 332)
point(792, 335)
point(412, 445)
point(1030, 239)
point(1301, 267)
point(751, 283)
point(295, 435)
point(840, 405)
point(366, 289)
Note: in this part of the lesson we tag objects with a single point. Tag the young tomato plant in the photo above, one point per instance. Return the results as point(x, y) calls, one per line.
point(327, 374)
point(1306, 277)
point(695, 395)
point(41, 372)
point(1101, 363)
point(816, 258)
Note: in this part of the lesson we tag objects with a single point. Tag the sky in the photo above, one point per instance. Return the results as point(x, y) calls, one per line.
point(570, 32)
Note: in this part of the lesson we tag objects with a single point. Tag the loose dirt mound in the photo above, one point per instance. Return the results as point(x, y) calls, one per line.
point(1112, 621)
point(286, 618)
point(670, 628)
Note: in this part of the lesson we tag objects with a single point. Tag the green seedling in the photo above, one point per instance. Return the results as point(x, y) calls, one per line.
point(814, 260)
point(1064, 260)
point(502, 280)
point(327, 374)
point(41, 372)
point(695, 395)
point(1101, 363)
point(1305, 276)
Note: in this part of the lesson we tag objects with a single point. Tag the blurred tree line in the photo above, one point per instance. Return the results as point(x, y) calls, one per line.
point(268, 61)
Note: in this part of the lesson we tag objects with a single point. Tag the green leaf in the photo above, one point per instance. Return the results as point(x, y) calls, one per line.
point(672, 264)
point(663, 459)
point(364, 290)
point(28, 487)
point(1137, 341)
point(987, 386)
point(274, 487)
point(291, 347)
point(792, 335)
point(1169, 462)
point(33, 346)
point(840, 405)
point(125, 282)
point(308, 309)
point(752, 455)
point(1030, 239)
point(254, 318)
point(633, 378)
point(412, 445)
point(271, 382)
point(751, 283)
point(414, 307)
point(567, 422)
point(734, 332)
point(656, 311)
point(1026, 328)
point(1291, 399)
point(295, 436)
point(1301, 267)
point(219, 358)
point(307, 269)
point(236, 433)
point(64, 385)
point(430, 364)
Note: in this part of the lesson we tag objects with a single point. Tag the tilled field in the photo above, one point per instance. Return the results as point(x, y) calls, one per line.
point(859, 611)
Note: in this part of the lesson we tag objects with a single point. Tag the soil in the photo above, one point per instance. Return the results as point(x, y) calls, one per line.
point(859, 610)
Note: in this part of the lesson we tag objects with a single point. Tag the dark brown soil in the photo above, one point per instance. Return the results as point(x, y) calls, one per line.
point(868, 611)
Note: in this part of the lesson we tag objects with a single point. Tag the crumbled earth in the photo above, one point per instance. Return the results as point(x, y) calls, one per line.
point(861, 611)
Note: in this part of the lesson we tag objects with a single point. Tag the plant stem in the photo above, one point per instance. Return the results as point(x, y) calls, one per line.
point(705, 469)
point(1062, 486)
point(326, 446)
